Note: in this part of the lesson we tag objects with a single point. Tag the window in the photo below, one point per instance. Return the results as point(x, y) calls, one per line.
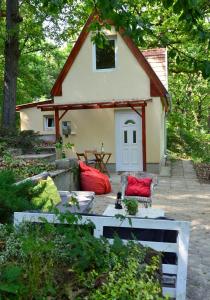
point(49, 122)
point(129, 122)
point(134, 136)
point(105, 57)
point(125, 136)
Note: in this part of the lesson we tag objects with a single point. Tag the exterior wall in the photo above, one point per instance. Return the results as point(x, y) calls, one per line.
point(127, 81)
point(154, 131)
point(94, 126)
point(33, 119)
point(162, 137)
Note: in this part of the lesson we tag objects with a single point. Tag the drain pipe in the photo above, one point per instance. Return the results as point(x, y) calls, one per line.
point(168, 96)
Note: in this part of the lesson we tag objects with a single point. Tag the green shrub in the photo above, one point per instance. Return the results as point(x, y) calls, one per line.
point(67, 262)
point(126, 281)
point(15, 197)
point(23, 169)
point(3, 147)
point(188, 143)
point(25, 140)
point(131, 206)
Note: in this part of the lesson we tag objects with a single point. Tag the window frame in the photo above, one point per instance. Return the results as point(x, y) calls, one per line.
point(46, 127)
point(111, 37)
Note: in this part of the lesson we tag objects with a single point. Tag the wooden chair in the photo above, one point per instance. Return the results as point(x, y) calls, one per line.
point(147, 201)
point(88, 156)
point(91, 158)
point(81, 156)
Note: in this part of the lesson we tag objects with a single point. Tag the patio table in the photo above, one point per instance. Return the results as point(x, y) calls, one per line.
point(102, 159)
point(142, 212)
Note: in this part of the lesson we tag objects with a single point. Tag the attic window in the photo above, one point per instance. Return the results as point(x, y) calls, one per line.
point(105, 57)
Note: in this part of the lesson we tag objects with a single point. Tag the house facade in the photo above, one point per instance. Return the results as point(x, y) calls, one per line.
point(116, 95)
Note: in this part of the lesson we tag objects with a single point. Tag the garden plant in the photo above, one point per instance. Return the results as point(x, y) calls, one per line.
point(131, 206)
point(67, 262)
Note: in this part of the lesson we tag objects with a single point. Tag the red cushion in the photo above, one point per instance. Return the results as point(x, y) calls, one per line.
point(143, 181)
point(138, 187)
point(108, 184)
point(135, 190)
point(93, 180)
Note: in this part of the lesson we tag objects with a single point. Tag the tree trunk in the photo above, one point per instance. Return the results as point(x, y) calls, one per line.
point(11, 64)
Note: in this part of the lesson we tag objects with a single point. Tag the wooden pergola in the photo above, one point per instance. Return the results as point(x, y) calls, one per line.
point(133, 104)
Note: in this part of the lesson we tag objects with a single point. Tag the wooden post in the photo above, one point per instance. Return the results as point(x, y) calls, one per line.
point(144, 138)
point(57, 126)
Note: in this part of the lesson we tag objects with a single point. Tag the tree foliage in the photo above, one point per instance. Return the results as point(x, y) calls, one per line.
point(182, 26)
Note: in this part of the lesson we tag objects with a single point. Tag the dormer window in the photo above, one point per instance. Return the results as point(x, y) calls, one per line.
point(105, 58)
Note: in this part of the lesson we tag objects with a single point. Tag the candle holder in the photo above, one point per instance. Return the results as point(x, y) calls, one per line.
point(118, 203)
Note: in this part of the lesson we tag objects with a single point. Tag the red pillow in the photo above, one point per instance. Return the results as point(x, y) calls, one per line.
point(138, 190)
point(143, 181)
point(138, 187)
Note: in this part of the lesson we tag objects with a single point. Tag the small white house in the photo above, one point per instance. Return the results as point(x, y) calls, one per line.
point(116, 96)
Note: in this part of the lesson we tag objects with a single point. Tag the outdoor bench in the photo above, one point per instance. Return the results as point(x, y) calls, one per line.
point(170, 237)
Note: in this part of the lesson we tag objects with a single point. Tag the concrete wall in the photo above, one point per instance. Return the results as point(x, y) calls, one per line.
point(33, 119)
point(65, 179)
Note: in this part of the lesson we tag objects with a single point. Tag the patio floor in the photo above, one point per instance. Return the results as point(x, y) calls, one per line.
point(182, 197)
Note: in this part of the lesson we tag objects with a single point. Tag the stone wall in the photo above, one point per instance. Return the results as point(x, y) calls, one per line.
point(66, 177)
point(203, 171)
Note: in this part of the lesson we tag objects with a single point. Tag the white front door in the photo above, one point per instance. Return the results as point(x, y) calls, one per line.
point(128, 137)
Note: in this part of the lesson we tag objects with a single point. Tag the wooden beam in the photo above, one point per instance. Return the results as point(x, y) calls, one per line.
point(63, 114)
point(32, 104)
point(57, 125)
point(144, 138)
point(133, 108)
point(94, 105)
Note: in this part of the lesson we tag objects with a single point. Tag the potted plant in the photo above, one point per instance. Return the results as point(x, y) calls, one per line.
point(131, 206)
point(60, 148)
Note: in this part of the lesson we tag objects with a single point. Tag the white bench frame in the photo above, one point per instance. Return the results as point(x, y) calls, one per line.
point(180, 248)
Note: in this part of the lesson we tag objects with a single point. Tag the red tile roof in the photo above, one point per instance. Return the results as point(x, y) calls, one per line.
point(157, 58)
